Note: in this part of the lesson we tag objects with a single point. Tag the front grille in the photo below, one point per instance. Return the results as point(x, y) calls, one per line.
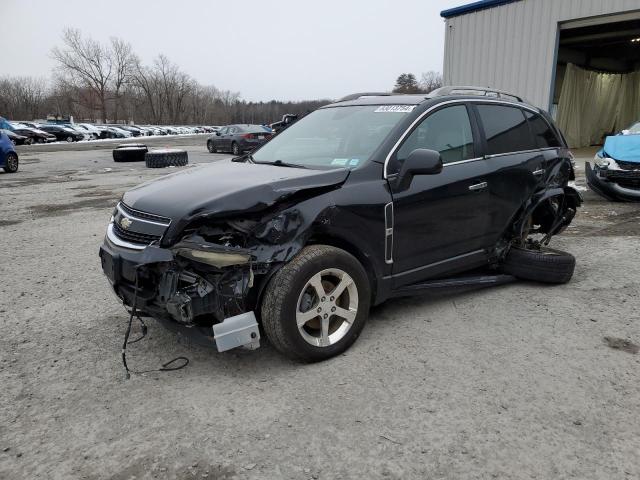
point(144, 215)
point(134, 237)
point(624, 178)
point(628, 165)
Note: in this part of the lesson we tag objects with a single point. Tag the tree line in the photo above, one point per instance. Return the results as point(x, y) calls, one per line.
point(107, 82)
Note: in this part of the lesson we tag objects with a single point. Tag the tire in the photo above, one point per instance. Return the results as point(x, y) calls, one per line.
point(288, 291)
point(210, 147)
point(166, 158)
point(545, 265)
point(69, 139)
point(134, 152)
point(11, 163)
point(28, 141)
point(40, 140)
point(235, 149)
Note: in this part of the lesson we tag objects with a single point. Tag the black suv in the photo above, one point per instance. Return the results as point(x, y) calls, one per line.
point(369, 198)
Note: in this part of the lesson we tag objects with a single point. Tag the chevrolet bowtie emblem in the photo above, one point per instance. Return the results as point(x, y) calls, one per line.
point(125, 223)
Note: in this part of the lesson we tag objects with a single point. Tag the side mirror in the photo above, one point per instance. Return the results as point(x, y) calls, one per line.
point(218, 133)
point(421, 161)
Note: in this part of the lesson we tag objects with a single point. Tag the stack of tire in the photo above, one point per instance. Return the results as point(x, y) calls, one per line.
point(169, 157)
point(132, 152)
point(160, 158)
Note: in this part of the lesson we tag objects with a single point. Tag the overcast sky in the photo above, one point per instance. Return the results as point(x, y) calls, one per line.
point(277, 49)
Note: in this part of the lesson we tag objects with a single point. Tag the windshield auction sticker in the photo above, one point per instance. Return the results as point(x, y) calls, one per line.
point(394, 109)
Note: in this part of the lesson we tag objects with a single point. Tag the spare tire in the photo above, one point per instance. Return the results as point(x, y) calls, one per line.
point(540, 265)
point(133, 152)
point(166, 158)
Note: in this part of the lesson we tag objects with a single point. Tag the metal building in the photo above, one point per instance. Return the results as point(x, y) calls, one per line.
point(530, 47)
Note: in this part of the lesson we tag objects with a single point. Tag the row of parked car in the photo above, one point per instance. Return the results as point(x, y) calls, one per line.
point(27, 133)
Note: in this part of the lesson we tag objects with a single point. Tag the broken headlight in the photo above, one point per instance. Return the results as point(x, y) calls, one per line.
point(215, 259)
point(602, 162)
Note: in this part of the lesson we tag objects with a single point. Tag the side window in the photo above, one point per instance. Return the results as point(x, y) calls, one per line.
point(541, 131)
point(447, 131)
point(224, 131)
point(506, 129)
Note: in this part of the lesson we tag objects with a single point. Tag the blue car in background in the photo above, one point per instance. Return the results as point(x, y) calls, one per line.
point(616, 167)
point(8, 156)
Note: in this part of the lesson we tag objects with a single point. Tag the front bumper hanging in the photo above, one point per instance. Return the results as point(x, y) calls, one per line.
point(177, 297)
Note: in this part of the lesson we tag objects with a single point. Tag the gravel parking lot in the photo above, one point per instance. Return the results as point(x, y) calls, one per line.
point(513, 382)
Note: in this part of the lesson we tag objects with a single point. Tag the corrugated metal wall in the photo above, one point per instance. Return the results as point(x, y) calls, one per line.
point(512, 47)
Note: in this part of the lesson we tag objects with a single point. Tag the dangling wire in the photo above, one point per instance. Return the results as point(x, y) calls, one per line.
point(134, 313)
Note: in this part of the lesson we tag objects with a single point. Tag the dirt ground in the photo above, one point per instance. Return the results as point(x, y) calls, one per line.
point(522, 381)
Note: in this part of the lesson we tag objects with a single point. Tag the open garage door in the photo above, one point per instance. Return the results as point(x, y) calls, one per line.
point(597, 85)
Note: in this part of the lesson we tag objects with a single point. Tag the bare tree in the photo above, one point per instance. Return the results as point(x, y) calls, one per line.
point(124, 62)
point(85, 63)
point(430, 81)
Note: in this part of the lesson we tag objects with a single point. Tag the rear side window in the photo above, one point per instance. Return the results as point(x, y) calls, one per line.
point(541, 131)
point(447, 131)
point(506, 129)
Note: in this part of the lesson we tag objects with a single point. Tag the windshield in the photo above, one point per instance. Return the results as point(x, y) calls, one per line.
point(334, 137)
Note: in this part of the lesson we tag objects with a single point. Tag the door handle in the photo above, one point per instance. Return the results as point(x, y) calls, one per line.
point(478, 186)
point(538, 172)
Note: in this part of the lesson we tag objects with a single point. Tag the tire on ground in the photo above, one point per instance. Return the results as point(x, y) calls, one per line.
point(545, 265)
point(133, 152)
point(166, 158)
point(280, 302)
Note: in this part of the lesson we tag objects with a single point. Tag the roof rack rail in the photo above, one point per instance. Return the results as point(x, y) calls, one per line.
point(473, 90)
point(355, 96)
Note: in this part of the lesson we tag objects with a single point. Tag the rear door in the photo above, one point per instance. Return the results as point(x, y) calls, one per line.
point(515, 163)
point(220, 139)
point(547, 141)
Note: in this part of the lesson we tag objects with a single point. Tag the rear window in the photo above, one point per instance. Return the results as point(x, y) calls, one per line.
point(544, 136)
point(506, 129)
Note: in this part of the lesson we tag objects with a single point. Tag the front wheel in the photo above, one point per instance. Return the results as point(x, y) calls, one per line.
point(69, 139)
point(235, 149)
point(11, 163)
point(316, 305)
point(210, 147)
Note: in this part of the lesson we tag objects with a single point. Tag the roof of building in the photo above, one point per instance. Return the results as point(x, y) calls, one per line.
point(474, 7)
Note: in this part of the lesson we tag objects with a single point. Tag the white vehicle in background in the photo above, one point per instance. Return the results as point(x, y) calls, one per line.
point(95, 132)
point(76, 128)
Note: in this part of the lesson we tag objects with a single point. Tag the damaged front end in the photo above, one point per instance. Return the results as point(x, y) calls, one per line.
point(205, 286)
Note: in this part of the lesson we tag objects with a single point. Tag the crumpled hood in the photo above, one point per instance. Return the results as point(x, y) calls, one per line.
point(625, 148)
point(225, 187)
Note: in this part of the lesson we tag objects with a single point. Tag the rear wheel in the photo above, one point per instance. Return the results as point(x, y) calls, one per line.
point(11, 163)
point(539, 264)
point(316, 306)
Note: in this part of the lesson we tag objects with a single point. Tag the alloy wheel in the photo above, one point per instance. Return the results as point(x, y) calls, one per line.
point(327, 307)
point(12, 162)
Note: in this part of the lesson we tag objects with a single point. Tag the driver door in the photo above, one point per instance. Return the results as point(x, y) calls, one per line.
point(441, 221)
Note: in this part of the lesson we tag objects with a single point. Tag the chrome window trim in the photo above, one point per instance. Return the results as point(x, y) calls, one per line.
point(394, 149)
point(138, 219)
point(111, 236)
